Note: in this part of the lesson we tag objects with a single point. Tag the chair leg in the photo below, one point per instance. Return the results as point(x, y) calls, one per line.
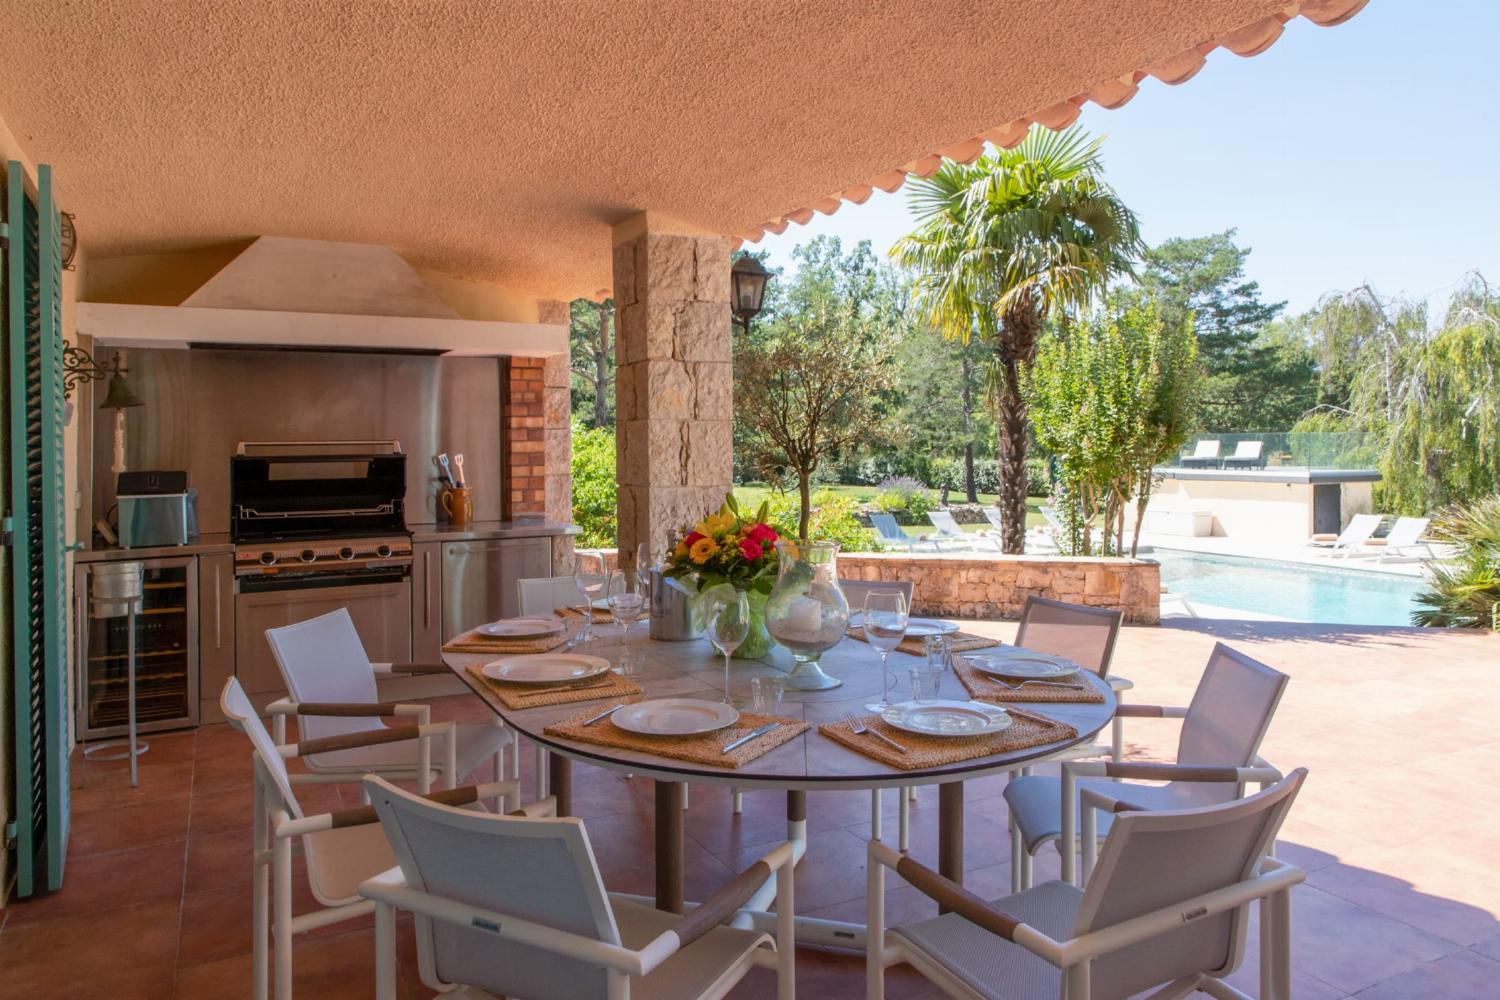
point(541, 771)
point(1026, 876)
point(260, 915)
point(1016, 850)
point(503, 802)
point(385, 952)
point(738, 799)
point(282, 870)
point(903, 836)
point(685, 787)
point(875, 817)
point(786, 935)
point(874, 930)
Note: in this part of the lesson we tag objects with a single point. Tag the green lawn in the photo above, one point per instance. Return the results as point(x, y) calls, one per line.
point(751, 496)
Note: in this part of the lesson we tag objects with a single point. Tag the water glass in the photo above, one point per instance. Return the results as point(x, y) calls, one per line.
point(591, 577)
point(765, 695)
point(727, 627)
point(626, 605)
point(885, 627)
point(926, 683)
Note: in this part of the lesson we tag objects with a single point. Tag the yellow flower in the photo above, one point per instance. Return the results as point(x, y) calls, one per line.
point(703, 550)
point(715, 525)
point(680, 551)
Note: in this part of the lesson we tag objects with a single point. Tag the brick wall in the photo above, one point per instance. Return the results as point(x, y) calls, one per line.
point(525, 436)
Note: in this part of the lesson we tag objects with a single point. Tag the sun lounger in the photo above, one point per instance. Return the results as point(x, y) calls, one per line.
point(949, 531)
point(1404, 535)
point(1359, 529)
point(1205, 456)
point(1247, 455)
point(890, 532)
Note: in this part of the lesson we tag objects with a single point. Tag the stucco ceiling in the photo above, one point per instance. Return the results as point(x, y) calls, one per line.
point(501, 141)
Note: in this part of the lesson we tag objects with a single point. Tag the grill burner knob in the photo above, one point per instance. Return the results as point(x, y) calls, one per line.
point(307, 555)
point(268, 559)
point(383, 551)
point(346, 553)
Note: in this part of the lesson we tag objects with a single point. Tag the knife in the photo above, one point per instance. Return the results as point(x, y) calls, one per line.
point(752, 734)
point(608, 711)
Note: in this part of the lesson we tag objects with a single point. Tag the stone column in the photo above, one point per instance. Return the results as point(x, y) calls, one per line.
point(674, 393)
point(557, 438)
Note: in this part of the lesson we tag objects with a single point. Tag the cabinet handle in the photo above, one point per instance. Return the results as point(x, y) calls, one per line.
point(426, 590)
point(218, 609)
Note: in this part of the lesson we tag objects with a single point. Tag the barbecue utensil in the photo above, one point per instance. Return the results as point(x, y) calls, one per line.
point(442, 461)
point(458, 468)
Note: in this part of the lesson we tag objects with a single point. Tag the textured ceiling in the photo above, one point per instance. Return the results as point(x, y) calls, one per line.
point(501, 140)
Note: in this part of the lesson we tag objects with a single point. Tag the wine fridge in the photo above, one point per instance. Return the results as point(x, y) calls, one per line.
point(166, 652)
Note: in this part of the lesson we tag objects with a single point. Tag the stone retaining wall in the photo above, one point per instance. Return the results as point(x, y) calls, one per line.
point(979, 585)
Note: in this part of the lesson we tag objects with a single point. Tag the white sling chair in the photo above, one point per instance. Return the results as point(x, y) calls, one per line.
point(334, 693)
point(515, 907)
point(1166, 913)
point(1217, 754)
point(342, 848)
point(542, 595)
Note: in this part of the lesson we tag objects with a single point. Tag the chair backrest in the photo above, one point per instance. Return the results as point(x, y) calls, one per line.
point(1082, 634)
point(1360, 527)
point(1247, 449)
point(322, 659)
point(240, 713)
point(1228, 717)
point(542, 595)
point(1153, 860)
point(992, 515)
point(540, 870)
point(1406, 531)
point(943, 521)
point(887, 526)
point(1206, 449)
point(856, 590)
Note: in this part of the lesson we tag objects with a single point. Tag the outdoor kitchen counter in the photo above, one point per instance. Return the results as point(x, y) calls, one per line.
point(483, 530)
point(209, 543)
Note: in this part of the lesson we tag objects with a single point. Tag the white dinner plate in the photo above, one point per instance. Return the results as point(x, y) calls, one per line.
point(915, 627)
point(675, 717)
point(546, 668)
point(1020, 664)
point(947, 718)
point(600, 603)
point(522, 628)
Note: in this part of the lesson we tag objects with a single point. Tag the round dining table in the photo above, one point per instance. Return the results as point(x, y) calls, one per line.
point(809, 762)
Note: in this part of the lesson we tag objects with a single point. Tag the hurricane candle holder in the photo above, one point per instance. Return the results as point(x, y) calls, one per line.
point(807, 612)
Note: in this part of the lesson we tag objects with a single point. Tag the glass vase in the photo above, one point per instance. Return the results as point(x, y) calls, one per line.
point(807, 612)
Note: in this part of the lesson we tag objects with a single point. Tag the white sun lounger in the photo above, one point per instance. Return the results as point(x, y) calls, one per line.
point(890, 532)
point(1405, 534)
point(1205, 455)
point(1359, 529)
point(949, 531)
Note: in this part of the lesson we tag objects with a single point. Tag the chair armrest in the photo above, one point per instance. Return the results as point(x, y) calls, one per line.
point(946, 892)
point(541, 807)
point(364, 815)
point(1150, 712)
point(350, 741)
point(1187, 772)
point(726, 902)
point(1094, 798)
point(1118, 683)
point(354, 709)
point(411, 668)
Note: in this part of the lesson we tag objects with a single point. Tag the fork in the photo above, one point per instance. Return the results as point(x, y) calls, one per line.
point(1035, 680)
point(569, 687)
point(860, 729)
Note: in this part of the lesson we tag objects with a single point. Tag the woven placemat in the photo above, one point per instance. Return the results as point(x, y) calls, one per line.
point(914, 645)
point(983, 687)
point(600, 616)
point(518, 696)
point(706, 749)
point(473, 641)
point(1026, 730)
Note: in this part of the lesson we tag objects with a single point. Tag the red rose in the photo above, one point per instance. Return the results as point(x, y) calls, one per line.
point(692, 536)
point(764, 534)
point(751, 550)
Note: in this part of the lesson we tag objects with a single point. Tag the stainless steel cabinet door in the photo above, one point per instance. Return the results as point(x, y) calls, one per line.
point(381, 613)
point(480, 579)
point(215, 631)
point(427, 634)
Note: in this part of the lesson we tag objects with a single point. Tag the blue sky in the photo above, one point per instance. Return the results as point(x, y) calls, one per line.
point(1367, 152)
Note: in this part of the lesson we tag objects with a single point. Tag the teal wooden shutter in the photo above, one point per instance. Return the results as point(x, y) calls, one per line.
point(39, 640)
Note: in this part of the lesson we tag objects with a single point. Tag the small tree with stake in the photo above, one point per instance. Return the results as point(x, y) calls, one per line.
point(810, 388)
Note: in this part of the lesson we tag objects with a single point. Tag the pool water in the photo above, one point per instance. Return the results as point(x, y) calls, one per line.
point(1290, 590)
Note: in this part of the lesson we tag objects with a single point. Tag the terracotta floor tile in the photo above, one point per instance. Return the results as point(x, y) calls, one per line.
point(124, 953)
point(215, 924)
point(94, 882)
point(333, 967)
point(1462, 907)
point(128, 826)
point(218, 860)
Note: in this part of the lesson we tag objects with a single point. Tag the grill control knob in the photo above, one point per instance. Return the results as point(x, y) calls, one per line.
point(346, 553)
point(383, 551)
point(268, 559)
point(307, 555)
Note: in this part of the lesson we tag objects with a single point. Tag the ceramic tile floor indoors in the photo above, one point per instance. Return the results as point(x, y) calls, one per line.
point(1398, 828)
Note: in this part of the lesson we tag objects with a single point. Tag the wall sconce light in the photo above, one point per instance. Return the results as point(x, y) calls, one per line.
point(747, 289)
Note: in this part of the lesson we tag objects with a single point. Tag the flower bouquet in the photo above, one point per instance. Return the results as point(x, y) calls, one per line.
point(730, 549)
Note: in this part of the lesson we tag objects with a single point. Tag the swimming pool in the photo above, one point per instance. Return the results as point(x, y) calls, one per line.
point(1290, 590)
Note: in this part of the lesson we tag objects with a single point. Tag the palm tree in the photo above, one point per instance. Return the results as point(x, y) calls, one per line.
point(1001, 244)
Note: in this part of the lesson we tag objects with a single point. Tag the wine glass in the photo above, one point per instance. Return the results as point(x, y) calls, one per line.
point(729, 625)
point(885, 627)
point(590, 576)
point(644, 564)
point(626, 602)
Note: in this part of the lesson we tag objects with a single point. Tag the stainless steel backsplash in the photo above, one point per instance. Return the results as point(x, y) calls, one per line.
point(200, 403)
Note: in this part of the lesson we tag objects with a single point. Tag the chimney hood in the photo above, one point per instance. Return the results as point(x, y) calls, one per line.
point(309, 294)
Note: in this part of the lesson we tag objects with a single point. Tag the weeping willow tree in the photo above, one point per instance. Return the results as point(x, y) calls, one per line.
point(1435, 399)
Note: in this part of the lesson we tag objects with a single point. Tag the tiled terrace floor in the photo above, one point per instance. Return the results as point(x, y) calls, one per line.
point(1398, 827)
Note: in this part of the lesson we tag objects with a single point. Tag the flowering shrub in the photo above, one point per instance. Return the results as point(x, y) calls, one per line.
point(834, 519)
point(728, 547)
